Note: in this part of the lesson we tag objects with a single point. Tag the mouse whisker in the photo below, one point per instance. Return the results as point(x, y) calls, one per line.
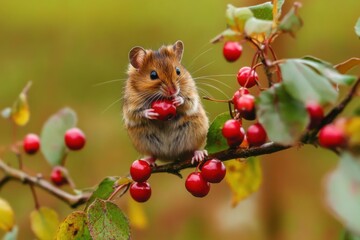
point(109, 81)
point(205, 66)
point(205, 92)
point(215, 80)
point(111, 105)
point(216, 88)
point(198, 56)
point(216, 75)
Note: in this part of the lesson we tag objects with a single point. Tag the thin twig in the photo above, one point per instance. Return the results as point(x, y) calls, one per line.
point(18, 175)
point(36, 201)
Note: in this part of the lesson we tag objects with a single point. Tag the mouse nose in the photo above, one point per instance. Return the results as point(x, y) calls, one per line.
point(172, 91)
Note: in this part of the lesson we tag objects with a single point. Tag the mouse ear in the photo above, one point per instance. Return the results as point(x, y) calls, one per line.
point(137, 56)
point(178, 49)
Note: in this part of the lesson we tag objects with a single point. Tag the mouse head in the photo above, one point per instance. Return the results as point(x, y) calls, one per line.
point(157, 72)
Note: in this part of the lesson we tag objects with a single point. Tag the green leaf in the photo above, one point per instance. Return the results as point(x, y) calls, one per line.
point(343, 192)
point(237, 17)
point(263, 11)
point(7, 220)
point(243, 178)
point(291, 22)
point(304, 84)
point(346, 235)
point(215, 140)
point(12, 235)
point(44, 223)
point(276, 12)
point(280, 3)
point(74, 227)
point(103, 190)
point(283, 117)
point(357, 27)
point(52, 135)
point(330, 72)
point(257, 28)
point(107, 221)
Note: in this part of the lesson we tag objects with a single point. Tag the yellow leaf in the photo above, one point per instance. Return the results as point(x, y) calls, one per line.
point(243, 177)
point(44, 223)
point(275, 12)
point(20, 113)
point(6, 216)
point(347, 65)
point(137, 214)
point(352, 131)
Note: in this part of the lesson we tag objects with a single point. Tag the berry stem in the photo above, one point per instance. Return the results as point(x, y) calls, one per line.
point(36, 200)
point(117, 189)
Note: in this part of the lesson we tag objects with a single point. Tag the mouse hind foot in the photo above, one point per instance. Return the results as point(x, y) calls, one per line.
point(199, 156)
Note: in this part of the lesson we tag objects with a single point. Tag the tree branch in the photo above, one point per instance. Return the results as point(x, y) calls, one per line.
point(18, 175)
point(228, 154)
point(267, 148)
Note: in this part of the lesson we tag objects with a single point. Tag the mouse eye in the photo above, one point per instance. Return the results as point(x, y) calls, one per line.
point(154, 75)
point(177, 70)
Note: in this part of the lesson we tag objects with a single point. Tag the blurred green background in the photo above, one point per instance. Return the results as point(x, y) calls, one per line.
point(67, 47)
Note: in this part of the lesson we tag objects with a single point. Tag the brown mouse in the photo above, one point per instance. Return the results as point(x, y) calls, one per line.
point(156, 75)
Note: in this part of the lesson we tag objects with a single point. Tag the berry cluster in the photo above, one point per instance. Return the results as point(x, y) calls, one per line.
point(198, 183)
point(74, 139)
point(140, 172)
point(244, 105)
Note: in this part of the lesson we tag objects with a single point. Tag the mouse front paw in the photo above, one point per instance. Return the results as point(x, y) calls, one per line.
point(199, 156)
point(178, 101)
point(150, 114)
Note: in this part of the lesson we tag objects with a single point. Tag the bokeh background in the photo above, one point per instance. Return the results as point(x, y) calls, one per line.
point(67, 47)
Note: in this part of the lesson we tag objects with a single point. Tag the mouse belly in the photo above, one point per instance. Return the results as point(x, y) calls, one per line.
point(168, 143)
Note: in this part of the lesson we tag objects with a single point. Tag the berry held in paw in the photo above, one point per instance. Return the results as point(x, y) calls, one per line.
point(165, 108)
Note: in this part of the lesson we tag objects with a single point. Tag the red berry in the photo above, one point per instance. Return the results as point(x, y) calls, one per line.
point(213, 171)
point(197, 185)
point(232, 51)
point(140, 192)
point(316, 114)
point(31, 143)
point(165, 108)
point(246, 106)
point(239, 93)
point(232, 132)
point(246, 77)
point(140, 170)
point(256, 135)
point(331, 136)
point(57, 176)
point(75, 139)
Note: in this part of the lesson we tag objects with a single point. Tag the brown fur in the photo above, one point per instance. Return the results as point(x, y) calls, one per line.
point(172, 140)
